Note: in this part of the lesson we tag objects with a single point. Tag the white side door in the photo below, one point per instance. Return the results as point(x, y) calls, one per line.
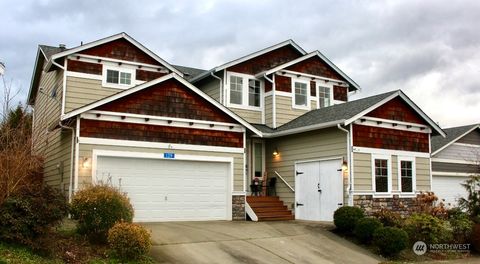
point(318, 189)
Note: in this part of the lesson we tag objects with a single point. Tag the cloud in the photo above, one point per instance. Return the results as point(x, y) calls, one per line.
point(430, 49)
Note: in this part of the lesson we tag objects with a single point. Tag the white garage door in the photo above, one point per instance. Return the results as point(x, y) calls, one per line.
point(449, 188)
point(170, 190)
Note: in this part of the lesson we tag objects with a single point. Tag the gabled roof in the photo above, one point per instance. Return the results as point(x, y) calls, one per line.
point(109, 39)
point(308, 56)
point(341, 114)
point(250, 56)
point(157, 81)
point(48, 51)
point(452, 135)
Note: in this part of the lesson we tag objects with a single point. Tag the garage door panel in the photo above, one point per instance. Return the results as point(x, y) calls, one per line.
point(449, 188)
point(164, 190)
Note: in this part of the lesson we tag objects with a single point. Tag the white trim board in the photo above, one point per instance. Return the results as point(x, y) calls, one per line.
point(392, 124)
point(160, 121)
point(157, 81)
point(454, 161)
point(109, 39)
point(459, 174)
point(390, 152)
point(156, 145)
point(116, 62)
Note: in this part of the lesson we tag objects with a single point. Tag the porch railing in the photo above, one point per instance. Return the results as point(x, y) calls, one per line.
point(284, 181)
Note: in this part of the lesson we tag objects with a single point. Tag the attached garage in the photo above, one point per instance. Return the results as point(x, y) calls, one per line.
point(449, 188)
point(169, 187)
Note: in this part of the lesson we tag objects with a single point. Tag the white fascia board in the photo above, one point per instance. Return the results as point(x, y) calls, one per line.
point(455, 140)
point(109, 39)
point(302, 129)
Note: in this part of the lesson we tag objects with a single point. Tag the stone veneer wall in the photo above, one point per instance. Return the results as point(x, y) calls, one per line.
point(238, 207)
point(404, 206)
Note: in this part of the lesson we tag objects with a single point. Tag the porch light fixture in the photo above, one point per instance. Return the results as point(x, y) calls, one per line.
point(344, 165)
point(275, 152)
point(86, 163)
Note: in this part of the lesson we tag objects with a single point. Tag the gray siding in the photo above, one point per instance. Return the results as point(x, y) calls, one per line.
point(460, 152)
point(212, 88)
point(319, 144)
point(82, 91)
point(85, 175)
point(471, 138)
point(269, 111)
point(54, 145)
point(455, 167)
point(250, 116)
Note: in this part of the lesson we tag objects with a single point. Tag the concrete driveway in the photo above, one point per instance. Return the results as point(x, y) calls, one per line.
point(252, 242)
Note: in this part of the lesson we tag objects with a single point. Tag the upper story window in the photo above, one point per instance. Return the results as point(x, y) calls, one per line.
point(300, 94)
point(236, 90)
point(244, 91)
point(381, 174)
point(116, 77)
point(324, 94)
point(407, 174)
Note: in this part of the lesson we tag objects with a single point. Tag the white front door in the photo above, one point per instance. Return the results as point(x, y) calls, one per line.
point(318, 189)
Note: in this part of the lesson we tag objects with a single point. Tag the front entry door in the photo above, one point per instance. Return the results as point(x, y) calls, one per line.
point(318, 189)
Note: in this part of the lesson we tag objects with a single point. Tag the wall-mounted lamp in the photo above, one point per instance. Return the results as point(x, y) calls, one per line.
point(86, 162)
point(275, 152)
point(344, 168)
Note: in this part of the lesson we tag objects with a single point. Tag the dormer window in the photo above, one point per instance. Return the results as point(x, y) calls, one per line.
point(115, 77)
point(244, 91)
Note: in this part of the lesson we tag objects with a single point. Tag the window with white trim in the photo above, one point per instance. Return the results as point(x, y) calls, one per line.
point(324, 94)
point(301, 94)
point(117, 77)
point(406, 172)
point(236, 89)
point(382, 175)
point(244, 91)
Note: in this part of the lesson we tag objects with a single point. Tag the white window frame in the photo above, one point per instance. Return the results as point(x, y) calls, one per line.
point(308, 96)
point(325, 85)
point(120, 70)
point(245, 92)
point(414, 174)
point(389, 175)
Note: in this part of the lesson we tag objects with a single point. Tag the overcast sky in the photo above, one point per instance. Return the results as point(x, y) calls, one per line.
point(429, 49)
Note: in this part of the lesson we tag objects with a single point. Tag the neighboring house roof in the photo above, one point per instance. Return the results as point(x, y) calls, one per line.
point(310, 55)
point(189, 72)
point(250, 56)
point(156, 81)
point(452, 135)
point(341, 114)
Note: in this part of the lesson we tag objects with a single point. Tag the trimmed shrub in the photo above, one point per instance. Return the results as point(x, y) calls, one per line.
point(461, 226)
point(345, 218)
point(29, 215)
point(389, 218)
point(98, 208)
point(129, 241)
point(365, 228)
point(390, 240)
point(427, 228)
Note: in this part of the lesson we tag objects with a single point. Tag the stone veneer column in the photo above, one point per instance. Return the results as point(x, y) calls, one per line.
point(238, 207)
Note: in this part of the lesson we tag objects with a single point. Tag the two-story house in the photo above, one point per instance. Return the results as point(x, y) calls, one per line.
point(186, 144)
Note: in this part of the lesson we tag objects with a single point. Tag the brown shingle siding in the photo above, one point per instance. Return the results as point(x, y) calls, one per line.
point(315, 66)
point(166, 134)
point(340, 93)
point(283, 83)
point(397, 109)
point(84, 67)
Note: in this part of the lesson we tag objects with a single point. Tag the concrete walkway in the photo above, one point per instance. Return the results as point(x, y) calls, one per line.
point(253, 242)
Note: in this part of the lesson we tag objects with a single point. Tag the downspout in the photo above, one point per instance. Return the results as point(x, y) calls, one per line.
point(221, 86)
point(70, 187)
point(349, 158)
